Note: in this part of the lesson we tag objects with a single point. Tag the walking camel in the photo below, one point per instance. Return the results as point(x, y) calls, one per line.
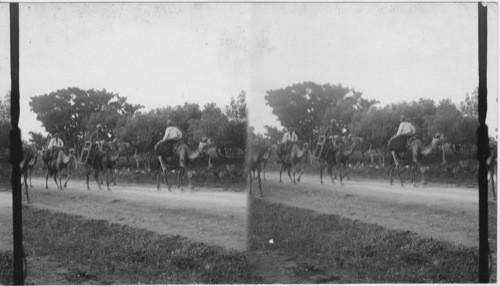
point(265, 159)
point(412, 155)
point(339, 157)
point(112, 151)
point(29, 159)
point(183, 158)
point(492, 168)
point(99, 161)
point(31, 163)
point(57, 164)
point(254, 159)
point(296, 156)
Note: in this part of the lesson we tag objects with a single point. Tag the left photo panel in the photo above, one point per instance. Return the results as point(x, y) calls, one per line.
point(133, 119)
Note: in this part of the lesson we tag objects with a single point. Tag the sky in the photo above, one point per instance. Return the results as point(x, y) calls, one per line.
point(159, 54)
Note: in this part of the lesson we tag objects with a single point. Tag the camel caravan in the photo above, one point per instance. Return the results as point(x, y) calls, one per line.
point(334, 147)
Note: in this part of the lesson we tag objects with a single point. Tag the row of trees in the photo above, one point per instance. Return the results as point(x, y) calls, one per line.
point(309, 106)
point(74, 113)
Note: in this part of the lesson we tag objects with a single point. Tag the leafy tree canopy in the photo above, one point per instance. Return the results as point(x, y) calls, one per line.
point(74, 112)
point(309, 106)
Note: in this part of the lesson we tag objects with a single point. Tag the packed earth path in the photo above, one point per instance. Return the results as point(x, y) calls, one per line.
point(204, 214)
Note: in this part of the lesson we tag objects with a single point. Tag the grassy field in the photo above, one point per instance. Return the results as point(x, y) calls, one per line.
point(352, 251)
point(98, 252)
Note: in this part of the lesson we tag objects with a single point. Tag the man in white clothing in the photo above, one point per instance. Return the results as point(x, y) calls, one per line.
point(405, 129)
point(286, 142)
point(54, 144)
point(172, 136)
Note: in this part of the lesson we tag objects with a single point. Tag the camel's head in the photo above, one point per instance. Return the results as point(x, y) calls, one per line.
point(437, 140)
point(205, 143)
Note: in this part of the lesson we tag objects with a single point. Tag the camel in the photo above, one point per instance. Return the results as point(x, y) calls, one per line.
point(95, 164)
point(31, 163)
point(102, 161)
point(337, 157)
point(491, 163)
point(29, 156)
point(55, 166)
point(109, 163)
point(183, 158)
point(413, 156)
point(296, 156)
point(253, 163)
point(264, 160)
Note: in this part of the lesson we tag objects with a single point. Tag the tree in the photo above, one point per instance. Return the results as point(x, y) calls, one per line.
point(38, 139)
point(5, 125)
point(469, 106)
point(211, 124)
point(309, 106)
point(273, 133)
point(69, 111)
point(237, 109)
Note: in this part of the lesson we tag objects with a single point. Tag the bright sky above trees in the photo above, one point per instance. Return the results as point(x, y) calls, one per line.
point(167, 54)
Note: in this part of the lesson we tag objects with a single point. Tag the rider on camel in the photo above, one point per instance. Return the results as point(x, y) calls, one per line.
point(172, 136)
point(406, 130)
point(98, 138)
point(54, 145)
point(332, 131)
point(287, 142)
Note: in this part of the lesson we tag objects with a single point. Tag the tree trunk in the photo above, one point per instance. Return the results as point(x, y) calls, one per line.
point(135, 157)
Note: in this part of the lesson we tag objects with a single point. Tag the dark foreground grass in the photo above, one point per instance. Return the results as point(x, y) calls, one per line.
point(117, 254)
point(365, 253)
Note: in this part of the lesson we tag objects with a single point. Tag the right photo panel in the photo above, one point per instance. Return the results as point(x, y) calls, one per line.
point(361, 145)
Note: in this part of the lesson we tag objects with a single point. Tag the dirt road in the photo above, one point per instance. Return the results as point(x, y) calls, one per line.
point(206, 214)
point(440, 211)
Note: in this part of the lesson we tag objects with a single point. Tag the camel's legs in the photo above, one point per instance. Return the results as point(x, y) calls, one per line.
point(330, 173)
point(164, 171)
point(258, 178)
point(29, 175)
point(302, 168)
point(47, 179)
point(321, 173)
point(264, 169)
point(25, 176)
point(96, 177)
point(391, 173)
point(68, 175)
point(55, 180)
point(59, 175)
point(339, 172)
point(422, 169)
point(281, 171)
point(88, 175)
point(250, 181)
point(492, 174)
point(107, 175)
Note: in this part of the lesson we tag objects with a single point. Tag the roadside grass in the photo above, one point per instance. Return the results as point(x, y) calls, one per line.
point(104, 253)
point(6, 268)
point(357, 251)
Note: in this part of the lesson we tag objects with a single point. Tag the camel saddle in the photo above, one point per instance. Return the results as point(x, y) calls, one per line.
point(401, 143)
point(170, 147)
point(51, 154)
